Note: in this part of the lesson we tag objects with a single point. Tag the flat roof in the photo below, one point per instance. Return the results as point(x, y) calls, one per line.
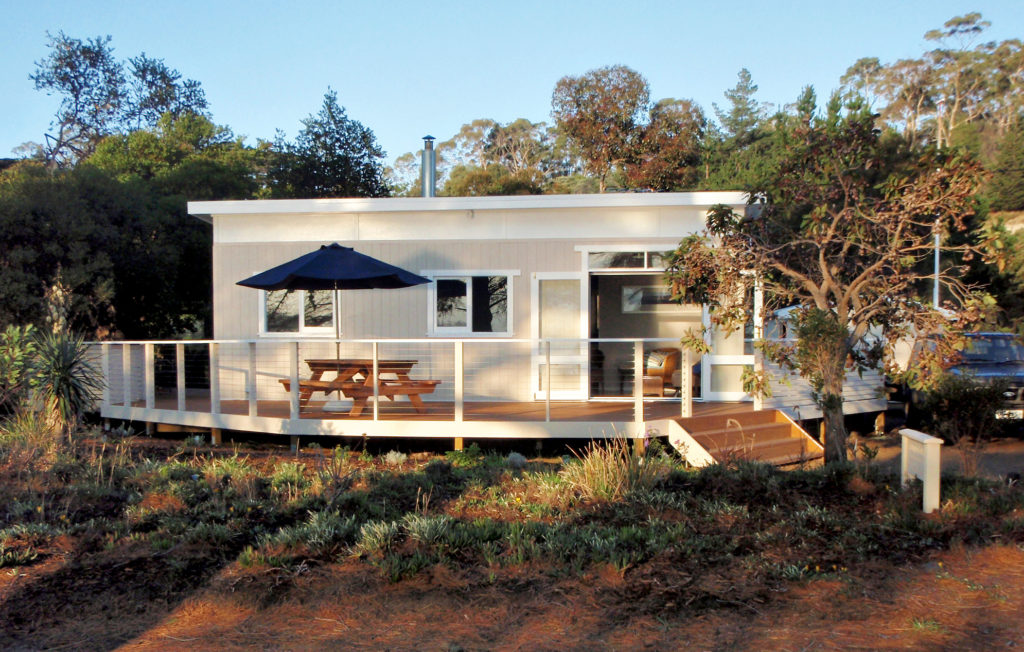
point(206, 209)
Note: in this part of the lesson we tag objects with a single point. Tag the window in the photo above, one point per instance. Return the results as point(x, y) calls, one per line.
point(298, 312)
point(470, 303)
point(654, 260)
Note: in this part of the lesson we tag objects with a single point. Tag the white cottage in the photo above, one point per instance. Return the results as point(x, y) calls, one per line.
point(541, 312)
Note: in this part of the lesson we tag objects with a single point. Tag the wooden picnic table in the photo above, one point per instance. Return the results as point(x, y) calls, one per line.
point(354, 379)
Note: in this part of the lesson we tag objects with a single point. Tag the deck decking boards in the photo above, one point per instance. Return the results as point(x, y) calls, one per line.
point(577, 411)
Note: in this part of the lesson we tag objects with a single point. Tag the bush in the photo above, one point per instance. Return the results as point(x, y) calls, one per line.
point(962, 411)
point(612, 470)
point(65, 381)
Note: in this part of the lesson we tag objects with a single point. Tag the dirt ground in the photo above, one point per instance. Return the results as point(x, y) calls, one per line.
point(1000, 457)
point(957, 599)
point(960, 600)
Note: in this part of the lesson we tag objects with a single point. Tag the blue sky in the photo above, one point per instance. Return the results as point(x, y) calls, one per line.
point(406, 69)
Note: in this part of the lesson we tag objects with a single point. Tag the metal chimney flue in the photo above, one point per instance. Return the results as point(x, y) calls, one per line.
point(428, 174)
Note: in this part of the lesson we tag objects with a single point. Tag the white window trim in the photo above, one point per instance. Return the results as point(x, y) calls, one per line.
point(304, 331)
point(466, 331)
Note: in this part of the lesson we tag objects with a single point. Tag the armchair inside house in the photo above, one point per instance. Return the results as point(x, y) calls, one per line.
point(659, 367)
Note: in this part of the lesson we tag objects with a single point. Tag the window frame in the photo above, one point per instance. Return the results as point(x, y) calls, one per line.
point(466, 275)
point(303, 331)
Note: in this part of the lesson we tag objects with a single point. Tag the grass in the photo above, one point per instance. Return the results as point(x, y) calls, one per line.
point(480, 515)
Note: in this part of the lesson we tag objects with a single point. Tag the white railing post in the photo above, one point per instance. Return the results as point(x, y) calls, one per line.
point(150, 353)
point(921, 458)
point(638, 381)
point(686, 384)
point(105, 362)
point(250, 389)
point(179, 368)
point(126, 374)
point(376, 382)
point(460, 380)
point(293, 375)
point(547, 380)
point(214, 378)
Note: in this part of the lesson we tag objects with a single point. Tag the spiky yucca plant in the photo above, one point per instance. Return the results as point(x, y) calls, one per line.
point(65, 383)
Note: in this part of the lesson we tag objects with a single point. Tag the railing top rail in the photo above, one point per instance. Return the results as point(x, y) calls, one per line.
point(424, 340)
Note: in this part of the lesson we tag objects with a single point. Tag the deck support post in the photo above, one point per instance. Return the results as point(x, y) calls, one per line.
point(216, 437)
point(179, 368)
point(150, 429)
point(294, 439)
point(458, 443)
point(214, 378)
point(150, 378)
point(638, 381)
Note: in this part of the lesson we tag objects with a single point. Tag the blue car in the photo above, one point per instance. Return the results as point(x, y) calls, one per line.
point(988, 357)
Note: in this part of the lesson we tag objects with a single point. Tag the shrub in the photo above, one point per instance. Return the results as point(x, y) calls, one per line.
point(395, 458)
point(377, 536)
point(427, 530)
point(516, 461)
point(962, 411)
point(611, 470)
point(65, 381)
point(17, 354)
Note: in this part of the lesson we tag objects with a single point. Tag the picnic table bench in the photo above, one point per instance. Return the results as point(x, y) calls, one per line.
point(360, 391)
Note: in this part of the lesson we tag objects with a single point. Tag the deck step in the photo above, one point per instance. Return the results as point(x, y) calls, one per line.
point(763, 435)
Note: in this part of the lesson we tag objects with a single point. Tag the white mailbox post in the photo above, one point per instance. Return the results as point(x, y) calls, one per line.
point(921, 458)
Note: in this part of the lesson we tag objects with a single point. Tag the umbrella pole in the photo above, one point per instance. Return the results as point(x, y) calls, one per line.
point(337, 329)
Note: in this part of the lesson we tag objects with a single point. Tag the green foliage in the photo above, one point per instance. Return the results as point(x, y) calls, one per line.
point(64, 378)
point(98, 96)
point(333, 156)
point(962, 410)
point(612, 470)
point(134, 262)
point(17, 357)
point(1006, 186)
point(469, 456)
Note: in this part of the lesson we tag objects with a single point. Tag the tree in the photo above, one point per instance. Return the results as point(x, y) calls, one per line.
point(90, 83)
point(741, 121)
point(333, 156)
point(600, 113)
point(847, 222)
point(135, 263)
point(98, 99)
point(667, 155)
point(154, 90)
point(1006, 187)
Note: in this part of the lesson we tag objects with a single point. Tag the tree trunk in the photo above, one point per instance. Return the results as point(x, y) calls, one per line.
point(831, 402)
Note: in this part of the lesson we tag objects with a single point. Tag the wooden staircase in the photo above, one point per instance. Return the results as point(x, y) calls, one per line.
point(763, 435)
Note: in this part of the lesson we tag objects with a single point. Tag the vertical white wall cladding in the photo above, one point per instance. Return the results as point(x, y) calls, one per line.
point(528, 234)
point(792, 394)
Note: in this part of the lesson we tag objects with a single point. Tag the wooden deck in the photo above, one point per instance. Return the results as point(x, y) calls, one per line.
point(571, 411)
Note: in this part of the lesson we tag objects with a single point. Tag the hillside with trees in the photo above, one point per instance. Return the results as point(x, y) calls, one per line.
point(133, 139)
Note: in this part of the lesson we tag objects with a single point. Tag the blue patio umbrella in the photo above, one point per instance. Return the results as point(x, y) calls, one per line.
point(334, 267)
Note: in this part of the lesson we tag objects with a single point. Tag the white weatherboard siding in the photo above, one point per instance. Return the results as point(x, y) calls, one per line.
point(792, 394)
point(523, 234)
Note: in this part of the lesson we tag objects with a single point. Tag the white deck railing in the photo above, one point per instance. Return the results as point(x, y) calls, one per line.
point(481, 380)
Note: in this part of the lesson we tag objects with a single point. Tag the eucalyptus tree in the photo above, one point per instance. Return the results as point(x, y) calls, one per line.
point(839, 228)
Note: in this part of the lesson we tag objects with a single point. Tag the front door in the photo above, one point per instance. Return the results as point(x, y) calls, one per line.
point(559, 324)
